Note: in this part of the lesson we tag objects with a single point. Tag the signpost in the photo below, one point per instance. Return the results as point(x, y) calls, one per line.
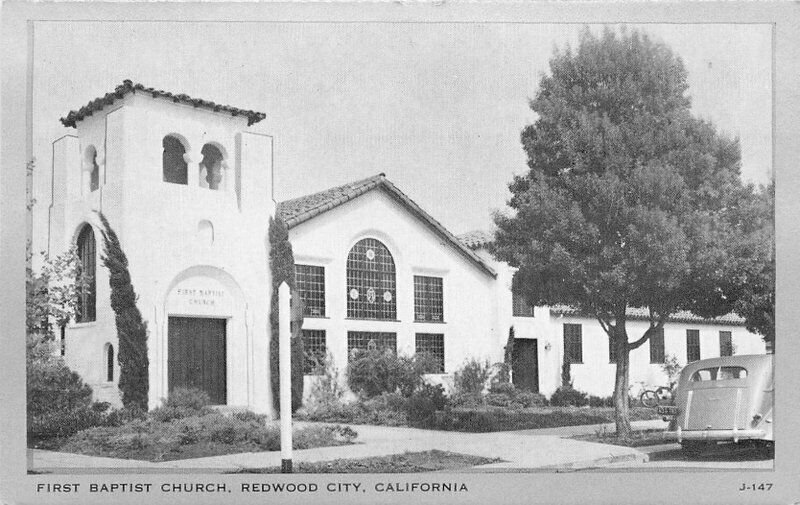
point(285, 373)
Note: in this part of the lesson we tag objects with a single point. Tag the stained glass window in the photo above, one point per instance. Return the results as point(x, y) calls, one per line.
point(371, 292)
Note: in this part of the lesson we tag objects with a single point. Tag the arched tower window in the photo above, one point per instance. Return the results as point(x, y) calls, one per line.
point(211, 167)
point(86, 283)
point(92, 167)
point(371, 285)
point(109, 363)
point(174, 166)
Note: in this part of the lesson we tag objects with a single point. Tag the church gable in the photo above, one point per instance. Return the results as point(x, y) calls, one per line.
point(299, 210)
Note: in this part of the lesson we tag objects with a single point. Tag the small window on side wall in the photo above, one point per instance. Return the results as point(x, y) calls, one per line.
point(109, 363)
point(174, 167)
point(93, 169)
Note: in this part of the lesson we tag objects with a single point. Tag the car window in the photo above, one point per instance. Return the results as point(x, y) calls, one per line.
point(705, 374)
point(732, 372)
point(721, 374)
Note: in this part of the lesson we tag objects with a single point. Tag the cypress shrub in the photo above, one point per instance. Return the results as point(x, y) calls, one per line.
point(281, 263)
point(131, 328)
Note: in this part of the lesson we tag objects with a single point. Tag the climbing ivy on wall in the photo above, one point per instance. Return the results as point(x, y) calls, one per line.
point(131, 328)
point(281, 263)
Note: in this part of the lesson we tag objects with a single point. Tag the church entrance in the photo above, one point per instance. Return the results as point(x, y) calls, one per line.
point(197, 355)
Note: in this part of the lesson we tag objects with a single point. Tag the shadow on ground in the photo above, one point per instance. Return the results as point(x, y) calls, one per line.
point(721, 452)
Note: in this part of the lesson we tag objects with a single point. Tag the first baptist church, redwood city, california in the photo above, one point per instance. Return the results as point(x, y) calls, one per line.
point(187, 185)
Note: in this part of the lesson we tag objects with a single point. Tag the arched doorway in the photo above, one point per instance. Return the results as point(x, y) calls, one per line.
point(204, 315)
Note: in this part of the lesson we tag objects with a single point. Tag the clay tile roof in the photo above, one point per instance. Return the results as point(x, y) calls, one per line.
point(129, 86)
point(299, 210)
point(636, 313)
point(476, 239)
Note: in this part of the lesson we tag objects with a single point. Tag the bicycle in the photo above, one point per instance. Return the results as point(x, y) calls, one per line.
point(653, 398)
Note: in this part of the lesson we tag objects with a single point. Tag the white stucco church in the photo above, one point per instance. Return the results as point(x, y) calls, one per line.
point(187, 186)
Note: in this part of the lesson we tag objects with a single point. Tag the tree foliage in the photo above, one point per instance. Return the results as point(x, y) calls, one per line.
point(630, 201)
point(131, 328)
point(281, 262)
point(52, 293)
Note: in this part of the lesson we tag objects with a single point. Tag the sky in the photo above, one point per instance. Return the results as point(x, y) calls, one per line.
point(437, 107)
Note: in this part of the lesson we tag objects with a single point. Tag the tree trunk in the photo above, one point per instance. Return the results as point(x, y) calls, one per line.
point(621, 414)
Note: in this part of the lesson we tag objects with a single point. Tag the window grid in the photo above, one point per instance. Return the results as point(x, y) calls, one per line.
point(310, 282)
point(371, 286)
point(314, 350)
point(86, 290)
point(692, 345)
point(657, 347)
point(520, 306)
point(428, 299)
point(573, 343)
point(725, 343)
point(433, 344)
point(361, 340)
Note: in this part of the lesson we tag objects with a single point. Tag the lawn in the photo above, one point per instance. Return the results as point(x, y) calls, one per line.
point(409, 462)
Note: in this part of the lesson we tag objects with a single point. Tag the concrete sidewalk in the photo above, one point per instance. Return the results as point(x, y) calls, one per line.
point(520, 451)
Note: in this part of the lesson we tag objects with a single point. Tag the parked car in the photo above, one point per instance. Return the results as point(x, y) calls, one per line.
point(723, 399)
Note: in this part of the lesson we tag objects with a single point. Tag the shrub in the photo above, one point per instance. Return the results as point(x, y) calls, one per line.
point(59, 402)
point(597, 401)
point(281, 264)
point(190, 398)
point(209, 434)
point(467, 400)
point(568, 396)
point(423, 404)
point(181, 403)
point(326, 389)
point(373, 372)
point(472, 377)
point(131, 328)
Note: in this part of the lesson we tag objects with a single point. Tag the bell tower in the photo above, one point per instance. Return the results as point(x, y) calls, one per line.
point(187, 186)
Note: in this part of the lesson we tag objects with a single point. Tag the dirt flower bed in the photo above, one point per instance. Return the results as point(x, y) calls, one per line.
point(409, 462)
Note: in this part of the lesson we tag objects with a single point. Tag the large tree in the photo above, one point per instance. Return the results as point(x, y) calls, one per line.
point(630, 201)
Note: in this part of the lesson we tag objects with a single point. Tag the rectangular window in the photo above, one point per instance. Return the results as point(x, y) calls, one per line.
point(692, 345)
point(573, 343)
point(612, 351)
point(520, 306)
point(428, 299)
point(433, 344)
point(657, 347)
point(314, 350)
point(63, 341)
point(725, 343)
point(364, 340)
point(310, 281)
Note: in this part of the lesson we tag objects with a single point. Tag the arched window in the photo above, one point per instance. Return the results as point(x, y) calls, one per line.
point(109, 363)
point(174, 166)
point(86, 281)
point(92, 168)
point(211, 167)
point(371, 281)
